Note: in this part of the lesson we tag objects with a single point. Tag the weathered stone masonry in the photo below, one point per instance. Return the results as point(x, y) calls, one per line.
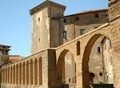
point(46, 69)
point(30, 72)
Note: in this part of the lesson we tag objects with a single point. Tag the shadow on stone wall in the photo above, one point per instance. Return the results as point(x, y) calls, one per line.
point(102, 86)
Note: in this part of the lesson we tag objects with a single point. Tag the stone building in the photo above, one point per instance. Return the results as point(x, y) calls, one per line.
point(73, 51)
point(4, 49)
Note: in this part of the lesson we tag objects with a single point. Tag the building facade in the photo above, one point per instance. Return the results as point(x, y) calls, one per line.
point(71, 51)
point(4, 51)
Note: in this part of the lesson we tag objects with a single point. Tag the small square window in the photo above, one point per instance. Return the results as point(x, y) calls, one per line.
point(64, 20)
point(96, 15)
point(77, 19)
point(82, 31)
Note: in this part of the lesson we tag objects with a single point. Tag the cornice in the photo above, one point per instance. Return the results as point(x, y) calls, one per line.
point(46, 3)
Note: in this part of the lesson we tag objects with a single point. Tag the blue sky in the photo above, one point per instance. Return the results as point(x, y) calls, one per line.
point(15, 21)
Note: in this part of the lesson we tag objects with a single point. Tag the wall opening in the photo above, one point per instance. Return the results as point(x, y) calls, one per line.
point(66, 69)
point(97, 64)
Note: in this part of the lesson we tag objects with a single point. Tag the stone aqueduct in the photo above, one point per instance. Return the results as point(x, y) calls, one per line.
point(36, 70)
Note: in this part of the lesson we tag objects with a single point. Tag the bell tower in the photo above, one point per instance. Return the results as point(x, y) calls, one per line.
point(114, 9)
point(43, 36)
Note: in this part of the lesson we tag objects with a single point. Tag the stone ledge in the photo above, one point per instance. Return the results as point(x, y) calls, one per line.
point(117, 17)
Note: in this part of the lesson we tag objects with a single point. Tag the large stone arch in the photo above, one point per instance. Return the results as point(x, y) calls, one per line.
point(85, 60)
point(60, 63)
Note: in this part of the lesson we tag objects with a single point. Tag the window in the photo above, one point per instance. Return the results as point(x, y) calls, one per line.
point(78, 47)
point(77, 19)
point(64, 20)
point(98, 49)
point(106, 14)
point(100, 74)
point(65, 34)
point(96, 15)
point(0, 52)
point(95, 27)
point(39, 39)
point(69, 80)
point(82, 31)
point(38, 19)
point(110, 60)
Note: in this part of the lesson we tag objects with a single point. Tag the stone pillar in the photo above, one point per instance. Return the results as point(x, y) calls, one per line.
point(79, 74)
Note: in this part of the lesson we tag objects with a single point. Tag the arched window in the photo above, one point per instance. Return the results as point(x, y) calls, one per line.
point(31, 71)
point(27, 72)
point(16, 74)
point(20, 73)
point(78, 47)
point(40, 71)
point(35, 71)
point(23, 72)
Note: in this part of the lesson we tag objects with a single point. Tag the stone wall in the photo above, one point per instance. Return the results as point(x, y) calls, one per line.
point(35, 71)
point(111, 31)
point(74, 24)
